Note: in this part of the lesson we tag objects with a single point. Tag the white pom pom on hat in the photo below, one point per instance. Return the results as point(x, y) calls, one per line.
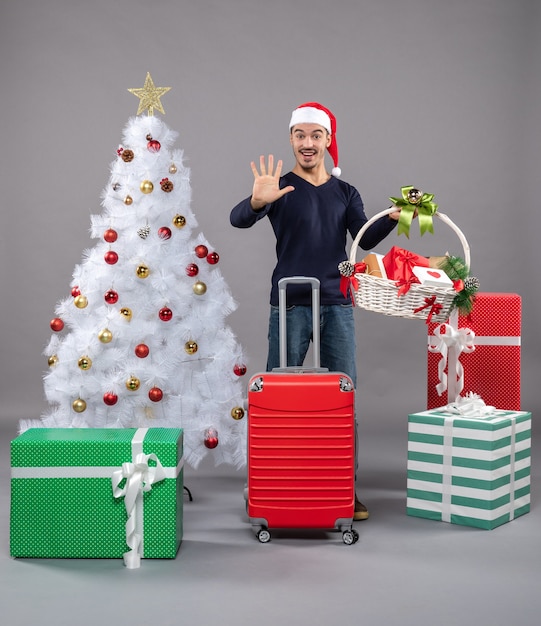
point(315, 113)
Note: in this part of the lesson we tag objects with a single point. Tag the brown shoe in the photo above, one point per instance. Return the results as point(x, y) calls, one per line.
point(360, 512)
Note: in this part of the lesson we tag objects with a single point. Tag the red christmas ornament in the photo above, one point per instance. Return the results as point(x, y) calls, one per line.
point(164, 232)
point(165, 314)
point(155, 394)
point(211, 438)
point(111, 257)
point(213, 258)
point(154, 145)
point(110, 235)
point(142, 350)
point(110, 399)
point(201, 251)
point(75, 291)
point(240, 369)
point(111, 296)
point(192, 269)
point(57, 324)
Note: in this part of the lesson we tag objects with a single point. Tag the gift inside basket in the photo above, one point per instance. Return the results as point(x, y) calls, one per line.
point(431, 303)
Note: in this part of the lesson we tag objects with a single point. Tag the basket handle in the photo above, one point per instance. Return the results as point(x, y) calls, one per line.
point(443, 218)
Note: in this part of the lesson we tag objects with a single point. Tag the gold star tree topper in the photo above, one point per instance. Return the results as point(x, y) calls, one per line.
point(149, 96)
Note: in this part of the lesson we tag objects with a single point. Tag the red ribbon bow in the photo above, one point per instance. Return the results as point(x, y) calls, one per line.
point(435, 307)
point(349, 284)
point(405, 284)
point(399, 264)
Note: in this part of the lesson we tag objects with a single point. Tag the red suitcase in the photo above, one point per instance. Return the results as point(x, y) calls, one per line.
point(301, 442)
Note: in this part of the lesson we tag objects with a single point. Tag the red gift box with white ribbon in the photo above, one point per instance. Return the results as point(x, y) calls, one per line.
point(478, 353)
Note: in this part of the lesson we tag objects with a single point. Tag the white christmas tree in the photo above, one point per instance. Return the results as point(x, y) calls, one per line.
point(141, 341)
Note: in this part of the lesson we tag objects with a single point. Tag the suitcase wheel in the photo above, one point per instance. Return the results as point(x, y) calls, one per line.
point(264, 535)
point(350, 537)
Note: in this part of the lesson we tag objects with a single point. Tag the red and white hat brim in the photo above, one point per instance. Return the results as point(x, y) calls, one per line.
point(310, 115)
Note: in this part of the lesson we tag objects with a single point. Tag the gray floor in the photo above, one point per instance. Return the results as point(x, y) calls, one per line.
point(403, 570)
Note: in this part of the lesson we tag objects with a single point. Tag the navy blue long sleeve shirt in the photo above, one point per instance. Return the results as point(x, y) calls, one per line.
point(311, 225)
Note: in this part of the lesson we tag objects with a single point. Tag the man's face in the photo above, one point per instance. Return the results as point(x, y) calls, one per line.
point(309, 142)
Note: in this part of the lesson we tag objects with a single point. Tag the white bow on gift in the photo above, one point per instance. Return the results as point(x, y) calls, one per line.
point(470, 405)
point(462, 340)
point(139, 476)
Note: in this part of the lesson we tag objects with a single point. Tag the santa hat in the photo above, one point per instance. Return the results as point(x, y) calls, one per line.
point(315, 113)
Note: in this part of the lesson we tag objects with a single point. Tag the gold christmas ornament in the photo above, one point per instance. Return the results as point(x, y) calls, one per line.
point(126, 313)
point(199, 288)
point(179, 221)
point(146, 186)
point(191, 347)
point(149, 96)
point(172, 168)
point(81, 302)
point(415, 196)
point(128, 200)
point(237, 413)
point(133, 383)
point(142, 271)
point(79, 405)
point(52, 360)
point(105, 336)
point(84, 363)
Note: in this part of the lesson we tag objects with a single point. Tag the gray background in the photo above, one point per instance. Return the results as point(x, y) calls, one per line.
point(436, 94)
point(441, 95)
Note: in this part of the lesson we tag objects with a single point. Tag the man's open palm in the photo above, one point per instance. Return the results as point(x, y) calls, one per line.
point(266, 187)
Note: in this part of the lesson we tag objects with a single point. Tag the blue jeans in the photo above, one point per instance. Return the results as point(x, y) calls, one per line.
point(337, 337)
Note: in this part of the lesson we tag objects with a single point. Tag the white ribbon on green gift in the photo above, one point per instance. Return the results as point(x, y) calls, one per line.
point(139, 478)
point(447, 469)
point(472, 407)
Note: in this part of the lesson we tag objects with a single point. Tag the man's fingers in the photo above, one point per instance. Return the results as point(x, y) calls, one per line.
point(265, 169)
point(271, 164)
point(285, 190)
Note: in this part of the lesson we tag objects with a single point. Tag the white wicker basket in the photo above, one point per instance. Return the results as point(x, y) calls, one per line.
point(381, 295)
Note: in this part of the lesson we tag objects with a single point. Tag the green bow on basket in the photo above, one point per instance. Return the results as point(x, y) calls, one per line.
point(415, 200)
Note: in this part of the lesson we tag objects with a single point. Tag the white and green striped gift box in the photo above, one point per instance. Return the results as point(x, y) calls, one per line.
point(71, 489)
point(469, 471)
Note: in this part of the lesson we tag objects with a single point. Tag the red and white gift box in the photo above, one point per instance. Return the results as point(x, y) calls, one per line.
point(478, 353)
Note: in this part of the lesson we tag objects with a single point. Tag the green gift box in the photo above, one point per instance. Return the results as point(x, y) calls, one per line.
point(473, 471)
point(97, 493)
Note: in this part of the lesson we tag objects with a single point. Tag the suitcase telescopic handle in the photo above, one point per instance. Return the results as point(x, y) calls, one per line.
point(282, 288)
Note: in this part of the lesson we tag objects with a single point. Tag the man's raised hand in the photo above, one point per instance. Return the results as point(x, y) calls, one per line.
point(266, 187)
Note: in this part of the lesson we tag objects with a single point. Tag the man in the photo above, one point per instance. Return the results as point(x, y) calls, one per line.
point(311, 212)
